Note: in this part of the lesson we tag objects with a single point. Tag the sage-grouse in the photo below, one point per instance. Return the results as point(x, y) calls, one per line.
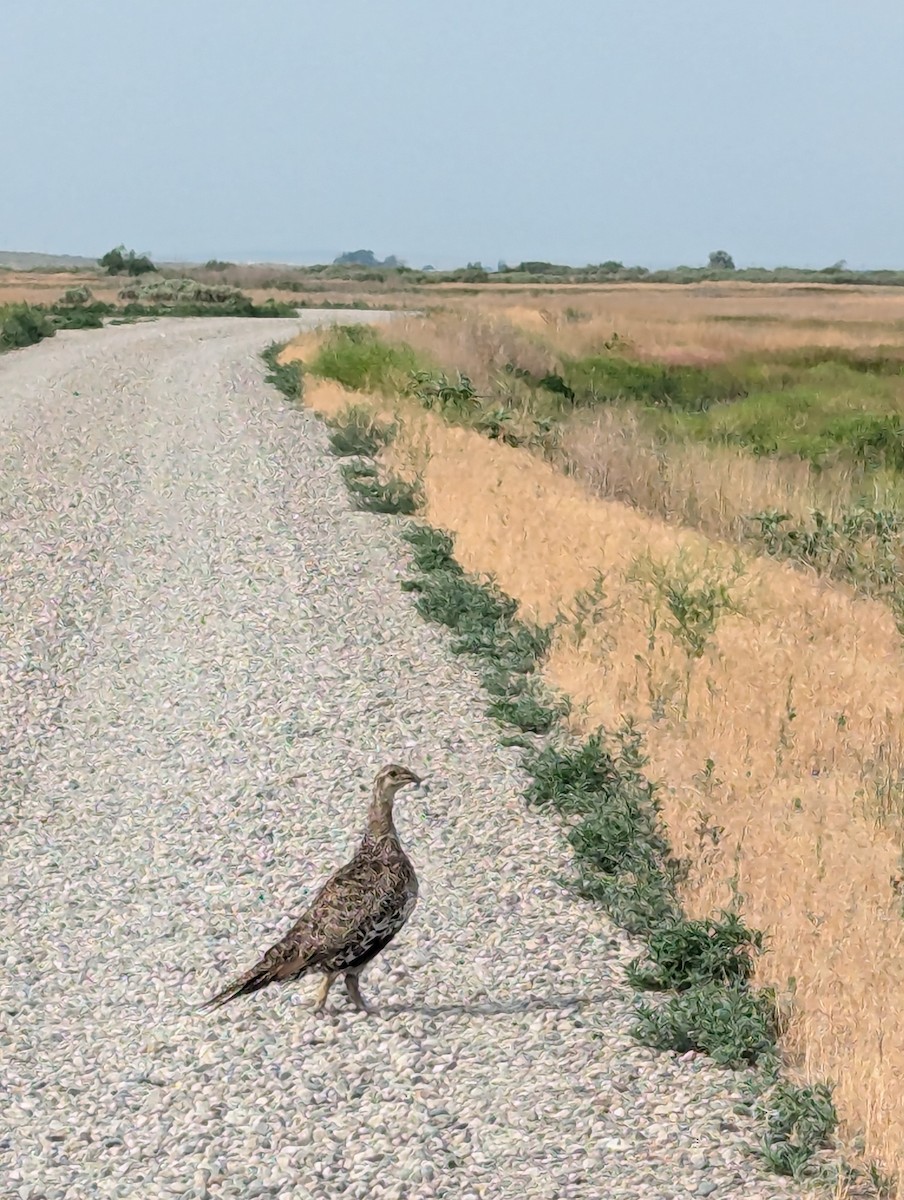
point(355, 915)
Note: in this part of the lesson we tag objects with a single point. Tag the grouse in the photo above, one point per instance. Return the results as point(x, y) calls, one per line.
point(354, 915)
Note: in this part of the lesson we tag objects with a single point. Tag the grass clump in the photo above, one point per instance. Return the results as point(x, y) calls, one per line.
point(485, 625)
point(603, 378)
point(823, 412)
point(287, 377)
point(356, 432)
point(371, 494)
point(622, 855)
point(687, 954)
point(732, 1025)
point(358, 358)
point(800, 1122)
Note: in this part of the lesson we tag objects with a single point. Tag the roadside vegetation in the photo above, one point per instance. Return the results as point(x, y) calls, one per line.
point(726, 680)
point(24, 324)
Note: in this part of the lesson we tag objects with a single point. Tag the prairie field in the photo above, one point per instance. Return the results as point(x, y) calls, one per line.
point(701, 489)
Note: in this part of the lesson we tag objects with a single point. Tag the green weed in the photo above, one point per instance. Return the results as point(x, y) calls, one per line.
point(355, 432)
point(799, 1122)
point(526, 705)
point(454, 398)
point(484, 623)
point(621, 852)
point(862, 546)
point(734, 1026)
point(371, 494)
point(287, 378)
point(687, 954)
point(85, 317)
point(693, 598)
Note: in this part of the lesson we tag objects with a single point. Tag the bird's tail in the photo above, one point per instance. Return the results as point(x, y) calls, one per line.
point(251, 981)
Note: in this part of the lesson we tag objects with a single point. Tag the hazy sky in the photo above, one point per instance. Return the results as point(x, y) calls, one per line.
point(649, 131)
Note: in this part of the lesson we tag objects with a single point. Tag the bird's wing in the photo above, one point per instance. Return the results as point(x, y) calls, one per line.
point(353, 907)
point(350, 911)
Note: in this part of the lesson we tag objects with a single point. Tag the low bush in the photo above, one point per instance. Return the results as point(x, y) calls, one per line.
point(23, 325)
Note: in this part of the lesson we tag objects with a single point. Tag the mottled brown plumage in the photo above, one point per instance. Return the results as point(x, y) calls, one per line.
point(355, 915)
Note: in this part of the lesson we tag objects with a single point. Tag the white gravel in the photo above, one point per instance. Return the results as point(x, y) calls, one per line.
point(205, 657)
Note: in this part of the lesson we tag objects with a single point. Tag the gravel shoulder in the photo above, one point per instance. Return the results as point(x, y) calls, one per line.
point(205, 655)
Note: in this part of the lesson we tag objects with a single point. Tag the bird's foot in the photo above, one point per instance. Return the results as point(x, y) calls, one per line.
point(323, 993)
point(354, 992)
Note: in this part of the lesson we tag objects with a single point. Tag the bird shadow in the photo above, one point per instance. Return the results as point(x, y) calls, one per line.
point(496, 1008)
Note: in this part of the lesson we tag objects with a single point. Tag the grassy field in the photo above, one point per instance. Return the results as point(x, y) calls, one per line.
point(700, 490)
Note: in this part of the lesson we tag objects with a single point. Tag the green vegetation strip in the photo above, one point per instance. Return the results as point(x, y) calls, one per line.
point(701, 968)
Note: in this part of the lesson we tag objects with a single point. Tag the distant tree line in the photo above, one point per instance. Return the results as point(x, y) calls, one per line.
point(365, 267)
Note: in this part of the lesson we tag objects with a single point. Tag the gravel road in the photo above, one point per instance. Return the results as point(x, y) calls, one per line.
point(205, 657)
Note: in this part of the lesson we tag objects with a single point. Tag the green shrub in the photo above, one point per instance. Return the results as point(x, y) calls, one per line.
point(183, 291)
point(76, 297)
point(23, 325)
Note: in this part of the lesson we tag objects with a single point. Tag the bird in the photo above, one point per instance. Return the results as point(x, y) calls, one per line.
point(354, 915)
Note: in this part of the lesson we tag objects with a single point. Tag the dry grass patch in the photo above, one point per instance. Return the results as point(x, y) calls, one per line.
point(772, 707)
point(704, 323)
point(34, 287)
point(712, 488)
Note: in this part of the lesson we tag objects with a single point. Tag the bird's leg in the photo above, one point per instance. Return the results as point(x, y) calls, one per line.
point(324, 992)
point(354, 991)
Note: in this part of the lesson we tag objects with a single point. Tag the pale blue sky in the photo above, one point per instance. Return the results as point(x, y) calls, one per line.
point(650, 131)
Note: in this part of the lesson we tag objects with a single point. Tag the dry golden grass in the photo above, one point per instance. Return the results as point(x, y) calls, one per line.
point(478, 346)
point(702, 323)
point(797, 701)
point(710, 488)
point(38, 287)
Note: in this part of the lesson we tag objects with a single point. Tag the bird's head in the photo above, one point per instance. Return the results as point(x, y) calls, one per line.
point(392, 778)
